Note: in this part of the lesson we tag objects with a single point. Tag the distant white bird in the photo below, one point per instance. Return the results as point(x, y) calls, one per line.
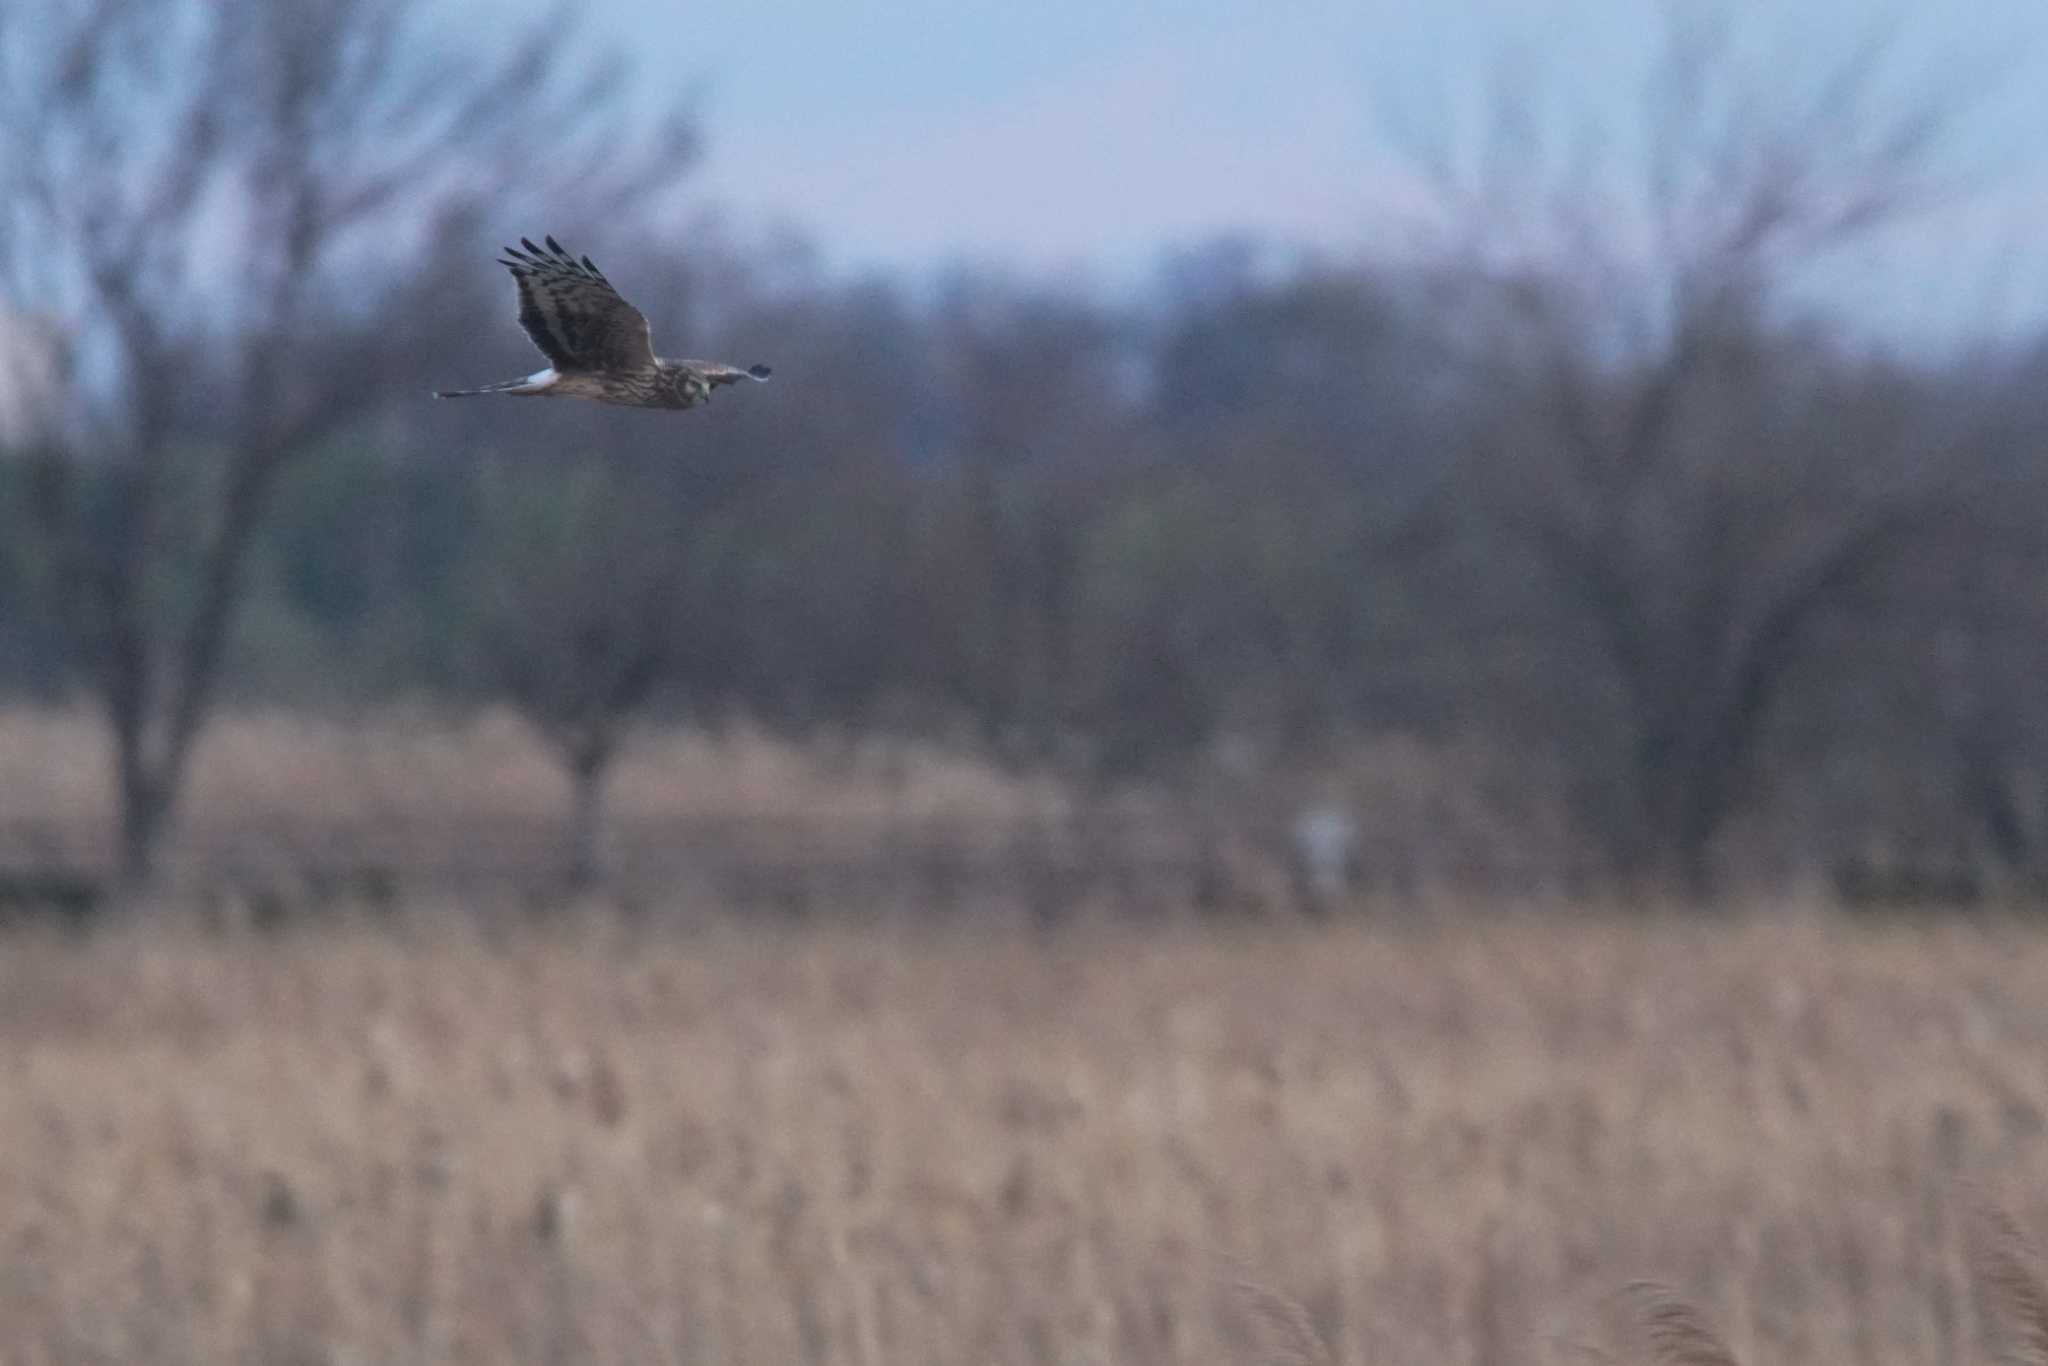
point(598, 345)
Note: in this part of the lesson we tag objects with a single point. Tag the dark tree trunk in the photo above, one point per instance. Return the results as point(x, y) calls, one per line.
point(589, 862)
point(146, 808)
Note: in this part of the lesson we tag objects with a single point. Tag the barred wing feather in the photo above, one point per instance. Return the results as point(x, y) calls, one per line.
point(573, 314)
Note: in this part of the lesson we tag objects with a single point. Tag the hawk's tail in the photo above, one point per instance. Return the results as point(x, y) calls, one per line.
point(532, 384)
point(503, 386)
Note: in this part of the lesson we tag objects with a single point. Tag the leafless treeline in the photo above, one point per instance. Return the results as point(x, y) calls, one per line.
point(1583, 488)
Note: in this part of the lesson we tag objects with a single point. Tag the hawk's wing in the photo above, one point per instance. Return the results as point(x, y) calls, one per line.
point(574, 315)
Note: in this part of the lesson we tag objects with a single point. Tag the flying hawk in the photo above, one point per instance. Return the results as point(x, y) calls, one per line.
point(598, 345)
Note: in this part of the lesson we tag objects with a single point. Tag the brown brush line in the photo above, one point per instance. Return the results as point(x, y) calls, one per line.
point(1288, 1337)
point(2005, 1268)
point(1678, 1333)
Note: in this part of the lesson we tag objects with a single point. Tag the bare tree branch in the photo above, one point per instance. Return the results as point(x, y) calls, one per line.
point(1642, 429)
point(207, 192)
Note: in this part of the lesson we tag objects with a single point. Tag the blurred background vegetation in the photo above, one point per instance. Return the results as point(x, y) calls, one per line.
point(1571, 534)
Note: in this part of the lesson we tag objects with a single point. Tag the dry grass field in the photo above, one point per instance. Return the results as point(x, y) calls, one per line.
point(436, 1141)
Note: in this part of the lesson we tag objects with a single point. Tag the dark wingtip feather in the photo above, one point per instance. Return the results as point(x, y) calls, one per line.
point(527, 242)
point(554, 246)
point(759, 371)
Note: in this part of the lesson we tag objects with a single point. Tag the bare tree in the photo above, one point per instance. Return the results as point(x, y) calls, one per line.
point(583, 617)
point(1680, 456)
point(219, 199)
point(1025, 486)
point(1974, 648)
point(757, 550)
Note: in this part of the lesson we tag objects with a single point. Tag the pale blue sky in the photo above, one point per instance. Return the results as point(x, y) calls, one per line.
point(1084, 136)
